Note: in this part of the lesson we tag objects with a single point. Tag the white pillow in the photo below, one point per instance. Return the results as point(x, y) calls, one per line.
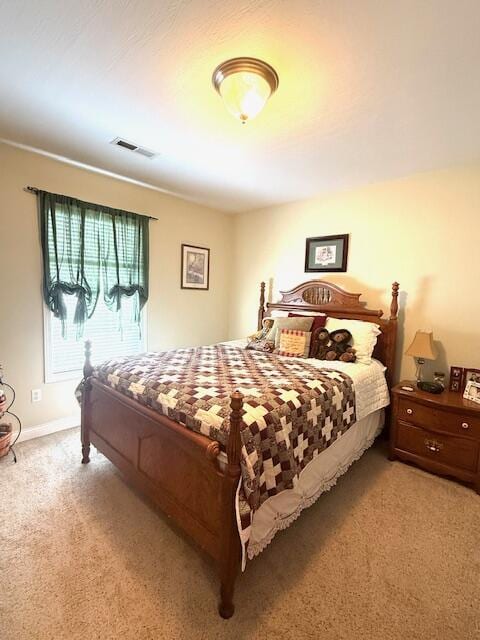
point(364, 336)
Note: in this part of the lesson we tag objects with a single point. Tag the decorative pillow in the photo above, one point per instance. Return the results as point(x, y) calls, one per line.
point(364, 336)
point(318, 324)
point(298, 324)
point(293, 343)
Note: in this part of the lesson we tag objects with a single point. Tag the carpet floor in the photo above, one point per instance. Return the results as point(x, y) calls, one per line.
point(391, 552)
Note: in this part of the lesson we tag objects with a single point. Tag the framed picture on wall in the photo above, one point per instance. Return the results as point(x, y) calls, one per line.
point(195, 267)
point(326, 253)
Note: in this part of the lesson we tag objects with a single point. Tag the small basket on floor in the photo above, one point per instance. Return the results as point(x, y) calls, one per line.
point(5, 439)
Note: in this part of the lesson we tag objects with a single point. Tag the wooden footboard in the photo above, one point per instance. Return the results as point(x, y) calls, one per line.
point(175, 467)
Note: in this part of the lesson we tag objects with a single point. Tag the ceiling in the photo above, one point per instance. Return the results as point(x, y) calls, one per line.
point(369, 90)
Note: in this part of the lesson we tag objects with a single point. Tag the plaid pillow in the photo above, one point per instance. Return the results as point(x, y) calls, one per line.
point(293, 343)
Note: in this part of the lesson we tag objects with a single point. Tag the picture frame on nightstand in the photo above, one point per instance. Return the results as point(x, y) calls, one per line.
point(470, 375)
point(472, 391)
point(456, 379)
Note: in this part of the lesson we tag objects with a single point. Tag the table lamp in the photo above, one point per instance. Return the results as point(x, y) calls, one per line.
point(422, 348)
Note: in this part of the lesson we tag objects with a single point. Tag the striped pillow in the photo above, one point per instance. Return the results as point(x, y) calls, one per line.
point(292, 343)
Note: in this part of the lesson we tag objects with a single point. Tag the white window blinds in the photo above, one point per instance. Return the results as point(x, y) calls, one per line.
point(112, 334)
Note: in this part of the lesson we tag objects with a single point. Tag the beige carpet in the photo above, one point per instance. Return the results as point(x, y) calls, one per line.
point(390, 552)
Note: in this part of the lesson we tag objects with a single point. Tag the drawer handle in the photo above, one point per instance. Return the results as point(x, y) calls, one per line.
point(409, 411)
point(465, 425)
point(433, 445)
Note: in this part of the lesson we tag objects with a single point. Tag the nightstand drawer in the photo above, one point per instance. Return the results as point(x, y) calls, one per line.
point(452, 422)
point(459, 424)
point(461, 453)
point(416, 413)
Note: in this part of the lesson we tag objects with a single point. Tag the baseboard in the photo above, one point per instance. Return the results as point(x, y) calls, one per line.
point(50, 427)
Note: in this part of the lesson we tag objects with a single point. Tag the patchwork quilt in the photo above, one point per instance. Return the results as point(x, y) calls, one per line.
point(292, 410)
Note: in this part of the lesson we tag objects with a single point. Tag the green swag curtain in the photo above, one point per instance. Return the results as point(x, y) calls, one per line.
point(84, 242)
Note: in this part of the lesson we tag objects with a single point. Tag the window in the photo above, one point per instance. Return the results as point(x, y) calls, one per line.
point(64, 357)
point(95, 283)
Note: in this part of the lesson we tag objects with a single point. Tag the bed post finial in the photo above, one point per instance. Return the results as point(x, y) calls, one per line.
point(87, 367)
point(394, 305)
point(261, 308)
point(234, 444)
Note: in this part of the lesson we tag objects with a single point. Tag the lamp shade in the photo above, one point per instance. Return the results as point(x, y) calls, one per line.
point(422, 346)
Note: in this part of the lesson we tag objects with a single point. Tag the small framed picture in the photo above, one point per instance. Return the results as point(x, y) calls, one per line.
point(456, 378)
point(195, 267)
point(472, 391)
point(472, 375)
point(326, 253)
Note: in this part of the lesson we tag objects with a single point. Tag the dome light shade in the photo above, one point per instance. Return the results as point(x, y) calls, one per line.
point(245, 85)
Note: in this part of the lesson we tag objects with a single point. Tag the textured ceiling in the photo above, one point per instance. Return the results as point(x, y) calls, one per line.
point(369, 90)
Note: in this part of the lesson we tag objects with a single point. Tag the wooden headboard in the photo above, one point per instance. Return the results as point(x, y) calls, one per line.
point(327, 298)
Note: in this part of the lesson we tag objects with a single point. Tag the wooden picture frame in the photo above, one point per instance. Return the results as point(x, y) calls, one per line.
point(195, 270)
point(456, 379)
point(472, 391)
point(326, 253)
point(470, 375)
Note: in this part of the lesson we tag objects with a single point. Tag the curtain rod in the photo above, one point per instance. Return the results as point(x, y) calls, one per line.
point(35, 190)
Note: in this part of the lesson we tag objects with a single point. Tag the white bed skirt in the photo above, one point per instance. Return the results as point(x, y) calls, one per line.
point(320, 475)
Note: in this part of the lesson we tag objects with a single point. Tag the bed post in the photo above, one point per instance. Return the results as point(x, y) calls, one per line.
point(394, 305)
point(261, 308)
point(234, 444)
point(231, 548)
point(85, 430)
point(391, 346)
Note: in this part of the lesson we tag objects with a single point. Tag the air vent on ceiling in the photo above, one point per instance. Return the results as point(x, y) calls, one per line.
point(120, 142)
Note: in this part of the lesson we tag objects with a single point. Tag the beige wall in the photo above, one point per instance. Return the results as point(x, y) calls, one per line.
point(175, 317)
point(423, 231)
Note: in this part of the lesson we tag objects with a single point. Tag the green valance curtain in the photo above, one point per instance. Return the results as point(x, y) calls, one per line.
point(85, 245)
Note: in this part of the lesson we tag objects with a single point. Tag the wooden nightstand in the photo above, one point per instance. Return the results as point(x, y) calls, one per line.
point(440, 433)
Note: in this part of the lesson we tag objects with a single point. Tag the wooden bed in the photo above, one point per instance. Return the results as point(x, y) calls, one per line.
point(179, 469)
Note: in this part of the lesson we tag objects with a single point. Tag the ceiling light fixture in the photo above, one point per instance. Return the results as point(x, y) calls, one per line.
point(245, 84)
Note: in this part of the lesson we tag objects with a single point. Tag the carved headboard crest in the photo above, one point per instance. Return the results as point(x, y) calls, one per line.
point(317, 295)
point(320, 293)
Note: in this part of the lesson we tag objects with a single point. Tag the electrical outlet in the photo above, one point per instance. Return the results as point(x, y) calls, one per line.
point(36, 395)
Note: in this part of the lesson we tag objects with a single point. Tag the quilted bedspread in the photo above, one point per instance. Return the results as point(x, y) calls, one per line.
point(292, 410)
